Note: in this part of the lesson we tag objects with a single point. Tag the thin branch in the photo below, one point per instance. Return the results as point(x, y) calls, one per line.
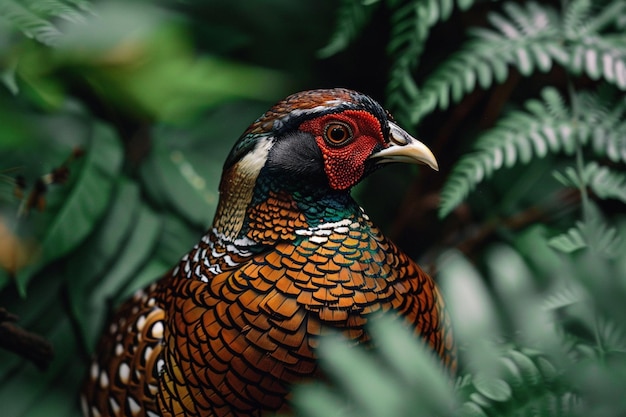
point(517, 221)
point(28, 345)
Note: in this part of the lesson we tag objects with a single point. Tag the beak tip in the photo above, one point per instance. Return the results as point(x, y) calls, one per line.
point(426, 157)
point(434, 164)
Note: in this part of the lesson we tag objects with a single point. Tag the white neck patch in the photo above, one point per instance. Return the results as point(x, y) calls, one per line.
point(234, 199)
point(252, 163)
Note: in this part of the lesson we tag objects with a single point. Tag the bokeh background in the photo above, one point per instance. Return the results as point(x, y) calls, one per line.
point(115, 119)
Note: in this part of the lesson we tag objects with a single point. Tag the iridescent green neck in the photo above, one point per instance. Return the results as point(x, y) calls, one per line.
point(281, 207)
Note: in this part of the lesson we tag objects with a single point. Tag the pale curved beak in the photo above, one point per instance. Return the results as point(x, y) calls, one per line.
point(405, 148)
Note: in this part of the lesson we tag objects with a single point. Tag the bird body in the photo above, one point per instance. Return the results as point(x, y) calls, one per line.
point(290, 257)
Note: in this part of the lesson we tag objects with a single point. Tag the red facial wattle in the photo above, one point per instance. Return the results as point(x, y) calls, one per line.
point(344, 163)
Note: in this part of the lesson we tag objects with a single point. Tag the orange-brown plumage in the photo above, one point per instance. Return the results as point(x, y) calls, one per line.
point(289, 258)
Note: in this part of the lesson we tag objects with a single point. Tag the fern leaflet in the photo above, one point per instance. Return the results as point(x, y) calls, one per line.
point(546, 127)
point(534, 388)
point(352, 17)
point(604, 182)
point(58, 8)
point(592, 232)
point(28, 22)
point(570, 241)
point(564, 297)
point(34, 17)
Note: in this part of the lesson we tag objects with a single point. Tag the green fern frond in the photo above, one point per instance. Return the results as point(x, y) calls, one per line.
point(529, 384)
point(600, 58)
point(554, 103)
point(58, 8)
point(411, 22)
point(563, 297)
point(34, 18)
point(594, 53)
point(518, 138)
point(570, 241)
point(546, 127)
point(605, 116)
point(611, 336)
point(604, 182)
point(591, 233)
point(525, 37)
point(576, 17)
point(352, 17)
point(28, 22)
point(609, 139)
point(608, 14)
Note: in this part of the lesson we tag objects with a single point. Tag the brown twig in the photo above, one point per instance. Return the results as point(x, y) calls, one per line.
point(26, 344)
point(562, 201)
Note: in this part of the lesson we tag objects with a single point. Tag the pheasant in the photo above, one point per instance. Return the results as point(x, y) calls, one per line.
point(290, 256)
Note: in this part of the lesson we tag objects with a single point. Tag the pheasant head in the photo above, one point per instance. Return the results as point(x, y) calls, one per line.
point(310, 149)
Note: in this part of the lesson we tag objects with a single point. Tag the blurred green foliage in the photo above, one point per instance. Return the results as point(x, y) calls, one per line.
point(115, 123)
point(115, 119)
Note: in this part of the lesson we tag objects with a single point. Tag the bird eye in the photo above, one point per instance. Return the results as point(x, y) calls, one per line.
point(337, 133)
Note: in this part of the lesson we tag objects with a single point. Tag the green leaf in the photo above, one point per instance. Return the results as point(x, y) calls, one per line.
point(571, 241)
point(84, 205)
point(469, 300)
point(29, 23)
point(317, 400)
point(527, 368)
point(363, 380)
point(137, 251)
point(511, 373)
point(102, 247)
point(415, 365)
point(472, 410)
point(42, 303)
point(603, 181)
point(176, 239)
point(471, 309)
point(513, 281)
point(492, 388)
point(112, 287)
point(593, 233)
point(174, 180)
point(611, 335)
point(56, 397)
point(564, 297)
point(606, 183)
point(464, 4)
point(154, 270)
point(87, 268)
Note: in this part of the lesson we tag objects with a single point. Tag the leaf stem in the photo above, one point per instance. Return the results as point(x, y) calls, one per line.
point(580, 161)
